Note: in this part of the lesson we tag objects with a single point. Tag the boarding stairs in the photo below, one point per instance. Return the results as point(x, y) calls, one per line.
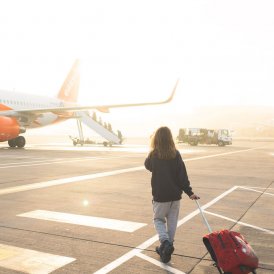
point(84, 117)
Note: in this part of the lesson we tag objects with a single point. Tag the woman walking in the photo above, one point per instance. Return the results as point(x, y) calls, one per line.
point(168, 181)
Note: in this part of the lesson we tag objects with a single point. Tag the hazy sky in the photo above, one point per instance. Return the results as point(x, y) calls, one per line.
point(132, 51)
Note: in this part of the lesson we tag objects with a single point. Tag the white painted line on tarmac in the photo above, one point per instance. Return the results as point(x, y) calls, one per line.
point(109, 267)
point(221, 154)
point(190, 151)
point(197, 211)
point(158, 263)
point(83, 220)
point(86, 147)
point(127, 256)
point(55, 161)
point(241, 223)
point(60, 161)
point(96, 175)
point(30, 261)
point(67, 180)
point(250, 189)
point(256, 187)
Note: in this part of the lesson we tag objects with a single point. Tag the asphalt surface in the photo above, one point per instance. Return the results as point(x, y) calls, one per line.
point(236, 185)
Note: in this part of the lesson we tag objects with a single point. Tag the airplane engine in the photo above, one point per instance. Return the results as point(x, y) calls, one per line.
point(9, 128)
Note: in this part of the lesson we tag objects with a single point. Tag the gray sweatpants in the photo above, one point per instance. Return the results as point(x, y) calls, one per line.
point(165, 219)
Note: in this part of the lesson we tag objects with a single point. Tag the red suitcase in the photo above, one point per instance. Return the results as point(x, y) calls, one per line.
point(230, 251)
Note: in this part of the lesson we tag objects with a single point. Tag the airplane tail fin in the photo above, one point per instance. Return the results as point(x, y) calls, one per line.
point(70, 87)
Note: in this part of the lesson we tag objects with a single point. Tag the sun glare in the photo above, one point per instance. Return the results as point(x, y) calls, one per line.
point(85, 203)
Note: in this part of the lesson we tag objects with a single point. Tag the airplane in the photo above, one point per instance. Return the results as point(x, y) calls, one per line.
point(19, 111)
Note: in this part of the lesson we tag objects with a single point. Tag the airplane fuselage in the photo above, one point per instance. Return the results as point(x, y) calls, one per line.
point(20, 101)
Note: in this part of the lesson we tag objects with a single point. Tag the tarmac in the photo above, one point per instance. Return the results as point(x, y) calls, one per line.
point(88, 209)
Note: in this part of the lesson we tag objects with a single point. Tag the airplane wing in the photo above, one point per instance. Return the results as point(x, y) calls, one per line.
point(68, 109)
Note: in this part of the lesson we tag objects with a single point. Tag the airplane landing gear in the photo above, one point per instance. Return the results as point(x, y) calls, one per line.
point(12, 143)
point(19, 141)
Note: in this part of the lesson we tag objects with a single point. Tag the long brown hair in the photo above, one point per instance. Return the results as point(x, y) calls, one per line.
point(162, 144)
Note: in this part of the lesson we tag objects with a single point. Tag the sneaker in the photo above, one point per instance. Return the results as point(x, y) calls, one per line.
point(157, 249)
point(165, 250)
point(172, 248)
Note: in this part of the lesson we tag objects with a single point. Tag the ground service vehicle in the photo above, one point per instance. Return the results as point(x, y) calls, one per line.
point(195, 136)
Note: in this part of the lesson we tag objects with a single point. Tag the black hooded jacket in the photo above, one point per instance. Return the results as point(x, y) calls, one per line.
point(169, 178)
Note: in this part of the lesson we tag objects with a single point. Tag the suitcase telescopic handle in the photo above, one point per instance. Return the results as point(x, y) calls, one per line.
point(203, 216)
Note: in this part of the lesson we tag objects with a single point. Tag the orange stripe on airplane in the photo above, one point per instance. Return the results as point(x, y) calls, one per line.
point(4, 107)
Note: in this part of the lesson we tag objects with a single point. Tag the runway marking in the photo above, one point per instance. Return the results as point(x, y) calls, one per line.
point(221, 154)
point(250, 189)
point(256, 187)
point(241, 223)
point(56, 161)
point(67, 180)
point(30, 261)
point(158, 263)
point(83, 220)
point(137, 250)
point(5, 156)
point(128, 148)
point(96, 175)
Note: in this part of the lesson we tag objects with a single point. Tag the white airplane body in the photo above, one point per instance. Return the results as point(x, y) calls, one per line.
point(18, 101)
point(19, 111)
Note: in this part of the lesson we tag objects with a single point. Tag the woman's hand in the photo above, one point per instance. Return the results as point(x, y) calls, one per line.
point(194, 197)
